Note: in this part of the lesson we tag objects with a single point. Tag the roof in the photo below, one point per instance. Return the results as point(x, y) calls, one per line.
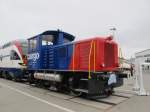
point(142, 51)
point(12, 42)
point(55, 33)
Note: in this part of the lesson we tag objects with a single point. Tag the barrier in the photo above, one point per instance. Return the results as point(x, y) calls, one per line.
point(139, 84)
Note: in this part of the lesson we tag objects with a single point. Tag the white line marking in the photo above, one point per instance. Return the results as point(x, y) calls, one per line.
point(126, 91)
point(39, 99)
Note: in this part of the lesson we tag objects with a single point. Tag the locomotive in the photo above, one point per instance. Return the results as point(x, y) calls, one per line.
point(58, 62)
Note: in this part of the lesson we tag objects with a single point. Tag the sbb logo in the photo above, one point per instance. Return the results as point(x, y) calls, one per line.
point(34, 56)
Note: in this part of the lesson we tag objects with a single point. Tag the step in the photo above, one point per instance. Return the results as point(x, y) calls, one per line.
point(82, 90)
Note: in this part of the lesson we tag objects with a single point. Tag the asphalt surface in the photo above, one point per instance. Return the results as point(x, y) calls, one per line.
point(135, 103)
point(17, 97)
point(20, 97)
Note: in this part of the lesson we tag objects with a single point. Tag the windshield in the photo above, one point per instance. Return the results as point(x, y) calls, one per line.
point(24, 46)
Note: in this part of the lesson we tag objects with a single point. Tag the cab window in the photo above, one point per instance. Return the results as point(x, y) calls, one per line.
point(47, 40)
point(32, 44)
point(14, 55)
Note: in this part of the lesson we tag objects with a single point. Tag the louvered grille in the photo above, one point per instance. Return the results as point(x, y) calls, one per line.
point(109, 55)
point(84, 55)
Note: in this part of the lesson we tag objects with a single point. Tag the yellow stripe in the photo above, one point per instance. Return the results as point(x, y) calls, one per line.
point(89, 77)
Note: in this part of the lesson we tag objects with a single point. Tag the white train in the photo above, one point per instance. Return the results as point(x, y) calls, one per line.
point(13, 59)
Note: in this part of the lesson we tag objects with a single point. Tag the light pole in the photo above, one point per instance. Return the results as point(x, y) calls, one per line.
point(113, 29)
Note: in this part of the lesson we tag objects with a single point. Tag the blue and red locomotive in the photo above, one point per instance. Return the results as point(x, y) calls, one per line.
point(88, 66)
point(54, 60)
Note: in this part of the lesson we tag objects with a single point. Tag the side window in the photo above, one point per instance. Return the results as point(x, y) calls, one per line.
point(47, 40)
point(32, 44)
point(147, 60)
point(14, 56)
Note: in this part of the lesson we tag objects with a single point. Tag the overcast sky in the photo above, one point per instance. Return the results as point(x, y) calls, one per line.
point(82, 18)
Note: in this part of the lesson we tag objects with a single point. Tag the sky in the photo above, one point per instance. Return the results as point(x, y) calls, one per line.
point(21, 19)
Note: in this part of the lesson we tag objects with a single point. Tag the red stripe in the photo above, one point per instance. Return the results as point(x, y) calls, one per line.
point(18, 45)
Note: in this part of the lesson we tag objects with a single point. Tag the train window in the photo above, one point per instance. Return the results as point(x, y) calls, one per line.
point(147, 60)
point(66, 40)
point(44, 42)
point(6, 45)
point(33, 43)
point(14, 56)
point(47, 40)
point(24, 46)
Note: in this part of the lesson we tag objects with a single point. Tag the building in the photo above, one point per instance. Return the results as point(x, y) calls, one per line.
point(143, 56)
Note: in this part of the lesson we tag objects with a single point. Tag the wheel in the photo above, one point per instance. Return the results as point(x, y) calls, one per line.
point(15, 78)
point(9, 76)
point(109, 91)
point(0, 74)
point(5, 74)
point(31, 78)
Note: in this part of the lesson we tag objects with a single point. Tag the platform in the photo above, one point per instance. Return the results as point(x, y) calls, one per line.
point(21, 97)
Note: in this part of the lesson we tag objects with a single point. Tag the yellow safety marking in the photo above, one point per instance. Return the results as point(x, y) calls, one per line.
point(89, 77)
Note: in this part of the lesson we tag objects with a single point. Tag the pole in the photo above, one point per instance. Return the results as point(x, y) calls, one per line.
point(113, 32)
point(136, 85)
point(142, 91)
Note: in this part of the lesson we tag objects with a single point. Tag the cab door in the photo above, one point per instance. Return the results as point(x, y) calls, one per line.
point(62, 57)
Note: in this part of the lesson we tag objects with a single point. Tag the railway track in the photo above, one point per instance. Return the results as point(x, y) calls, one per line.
point(99, 103)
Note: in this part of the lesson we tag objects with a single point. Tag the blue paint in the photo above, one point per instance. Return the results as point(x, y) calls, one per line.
point(63, 56)
point(55, 56)
point(60, 39)
point(17, 72)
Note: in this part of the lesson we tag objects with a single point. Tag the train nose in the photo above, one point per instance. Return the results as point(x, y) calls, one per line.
point(25, 62)
point(24, 59)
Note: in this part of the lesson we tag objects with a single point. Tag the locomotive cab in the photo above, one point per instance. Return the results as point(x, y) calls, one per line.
point(41, 48)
